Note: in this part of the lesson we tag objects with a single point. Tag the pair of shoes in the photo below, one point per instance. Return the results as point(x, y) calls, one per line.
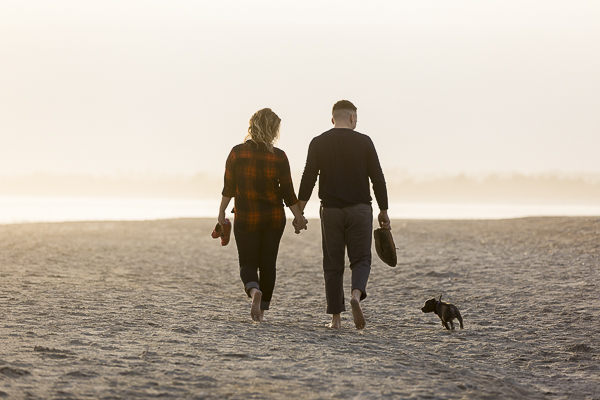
point(222, 232)
point(385, 246)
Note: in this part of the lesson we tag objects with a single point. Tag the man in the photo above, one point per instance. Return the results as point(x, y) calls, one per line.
point(345, 160)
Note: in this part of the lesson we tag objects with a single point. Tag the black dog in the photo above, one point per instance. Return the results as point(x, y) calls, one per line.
point(446, 312)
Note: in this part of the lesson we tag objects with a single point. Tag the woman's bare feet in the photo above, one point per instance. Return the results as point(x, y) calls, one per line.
point(336, 321)
point(357, 314)
point(255, 312)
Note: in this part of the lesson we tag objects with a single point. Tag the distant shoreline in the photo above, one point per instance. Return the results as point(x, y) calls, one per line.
point(33, 209)
point(549, 188)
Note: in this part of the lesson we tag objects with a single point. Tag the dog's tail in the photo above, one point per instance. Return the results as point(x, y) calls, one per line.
point(459, 317)
point(440, 297)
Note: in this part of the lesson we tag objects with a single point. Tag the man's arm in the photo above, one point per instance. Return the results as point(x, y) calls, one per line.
point(379, 187)
point(377, 179)
point(309, 176)
point(302, 205)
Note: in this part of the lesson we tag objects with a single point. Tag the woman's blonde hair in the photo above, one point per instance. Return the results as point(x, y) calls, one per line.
point(264, 128)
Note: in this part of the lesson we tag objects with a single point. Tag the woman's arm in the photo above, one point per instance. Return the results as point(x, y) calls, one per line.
point(228, 187)
point(224, 203)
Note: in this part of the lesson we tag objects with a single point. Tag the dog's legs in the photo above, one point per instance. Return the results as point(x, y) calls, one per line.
point(445, 325)
point(451, 325)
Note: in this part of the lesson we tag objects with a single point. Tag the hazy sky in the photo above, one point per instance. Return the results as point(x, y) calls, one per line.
point(442, 87)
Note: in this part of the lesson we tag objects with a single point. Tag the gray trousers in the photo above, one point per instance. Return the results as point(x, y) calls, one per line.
point(346, 228)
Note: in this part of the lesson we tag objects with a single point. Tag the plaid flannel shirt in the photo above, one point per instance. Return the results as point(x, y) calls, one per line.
point(258, 180)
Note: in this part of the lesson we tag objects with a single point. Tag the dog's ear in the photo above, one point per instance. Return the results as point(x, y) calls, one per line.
point(440, 297)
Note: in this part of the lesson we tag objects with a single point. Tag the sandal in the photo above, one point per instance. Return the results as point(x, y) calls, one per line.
point(223, 232)
point(216, 233)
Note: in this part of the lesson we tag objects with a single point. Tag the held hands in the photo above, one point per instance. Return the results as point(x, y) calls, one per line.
point(300, 225)
point(384, 220)
point(299, 220)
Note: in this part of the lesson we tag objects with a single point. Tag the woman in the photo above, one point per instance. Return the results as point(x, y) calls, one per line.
point(257, 174)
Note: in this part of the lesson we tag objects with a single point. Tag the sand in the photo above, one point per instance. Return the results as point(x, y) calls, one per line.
point(138, 310)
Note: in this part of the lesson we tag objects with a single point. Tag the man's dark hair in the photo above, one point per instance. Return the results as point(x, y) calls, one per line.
point(343, 105)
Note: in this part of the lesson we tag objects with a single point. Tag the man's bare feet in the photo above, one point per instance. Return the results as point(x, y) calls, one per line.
point(255, 311)
point(336, 321)
point(357, 314)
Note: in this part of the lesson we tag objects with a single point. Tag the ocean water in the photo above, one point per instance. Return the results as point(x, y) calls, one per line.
point(19, 209)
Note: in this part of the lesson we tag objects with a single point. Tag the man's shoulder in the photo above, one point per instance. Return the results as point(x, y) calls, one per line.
point(335, 134)
point(323, 135)
point(364, 139)
point(318, 139)
point(362, 135)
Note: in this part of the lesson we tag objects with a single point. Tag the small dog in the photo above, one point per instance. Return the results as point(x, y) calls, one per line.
point(447, 312)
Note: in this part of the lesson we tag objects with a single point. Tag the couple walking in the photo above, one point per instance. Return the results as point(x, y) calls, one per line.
point(257, 175)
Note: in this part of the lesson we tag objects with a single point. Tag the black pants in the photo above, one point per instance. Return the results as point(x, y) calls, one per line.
point(346, 228)
point(257, 253)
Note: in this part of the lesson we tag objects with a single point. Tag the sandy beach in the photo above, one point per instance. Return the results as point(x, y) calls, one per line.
point(156, 309)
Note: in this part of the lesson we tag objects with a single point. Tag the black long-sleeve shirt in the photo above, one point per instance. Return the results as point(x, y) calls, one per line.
point(344, 160)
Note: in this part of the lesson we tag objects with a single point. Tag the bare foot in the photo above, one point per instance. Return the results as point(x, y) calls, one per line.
point(359, 318)
point(336, 321)
point(255, 311)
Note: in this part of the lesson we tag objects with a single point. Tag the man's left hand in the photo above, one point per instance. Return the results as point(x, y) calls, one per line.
point(384, 220)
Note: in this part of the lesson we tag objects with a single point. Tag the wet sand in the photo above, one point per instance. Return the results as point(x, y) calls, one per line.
point(137, 310)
